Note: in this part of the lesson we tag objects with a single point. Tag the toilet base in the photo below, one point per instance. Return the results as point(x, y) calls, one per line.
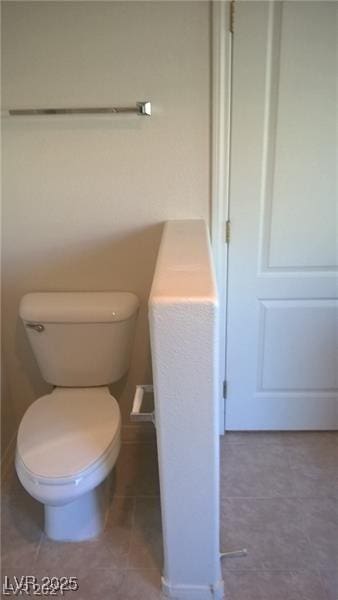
point(82, 519)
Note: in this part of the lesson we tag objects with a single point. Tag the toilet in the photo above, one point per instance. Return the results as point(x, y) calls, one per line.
point(69, 440)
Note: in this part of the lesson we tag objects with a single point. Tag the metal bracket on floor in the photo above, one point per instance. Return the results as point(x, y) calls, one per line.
point(136, 414)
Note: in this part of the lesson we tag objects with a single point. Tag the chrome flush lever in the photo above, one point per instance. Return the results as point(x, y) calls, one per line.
point(37, 326)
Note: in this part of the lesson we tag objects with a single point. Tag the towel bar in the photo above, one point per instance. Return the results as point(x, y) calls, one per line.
point(141, 108)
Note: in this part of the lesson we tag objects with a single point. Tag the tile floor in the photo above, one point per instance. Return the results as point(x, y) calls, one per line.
point(279, 497)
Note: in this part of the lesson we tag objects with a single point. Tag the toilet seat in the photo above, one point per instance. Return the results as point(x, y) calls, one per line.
point(49, 464)
point(64, 435)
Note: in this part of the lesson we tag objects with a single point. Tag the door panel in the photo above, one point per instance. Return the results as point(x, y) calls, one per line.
point(302, 120)
point(282, 300)
point(297, 345)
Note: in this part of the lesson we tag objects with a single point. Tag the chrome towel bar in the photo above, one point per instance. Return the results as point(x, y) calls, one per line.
point(141, 108)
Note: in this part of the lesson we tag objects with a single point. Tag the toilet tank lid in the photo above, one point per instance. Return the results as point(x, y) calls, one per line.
point(78, 307)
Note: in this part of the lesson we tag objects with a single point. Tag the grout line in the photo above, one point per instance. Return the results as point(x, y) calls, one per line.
point(321, 577)
point(37, 551)
point(308, 538)
point(280, 442)
point(130, 537)
point(136, 496)
point(7, 459)
point(125, 570)
point(268, 570)
point(296, 497)
point(318, 572)
point(287, 497)
point(139, 443)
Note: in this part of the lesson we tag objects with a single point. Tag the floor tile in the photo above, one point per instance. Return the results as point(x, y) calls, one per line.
point(259, 470)
point(335, 484)
point(271, 529)
point(138, 433)
point(109, 550)
point(313, 482)
point(146, 548)
point(11, 488)
point(98, 584)
point(320, 518)
point(252, 438)
point(273, 585)
point(307, 437)
point(312, 452)
point(330, 582)
point(21, 531)
point(313, 464)
point(137, 470)
point(141, 584)
point(279, 500)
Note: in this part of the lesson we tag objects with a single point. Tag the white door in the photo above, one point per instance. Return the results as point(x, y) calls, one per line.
point(282, 288)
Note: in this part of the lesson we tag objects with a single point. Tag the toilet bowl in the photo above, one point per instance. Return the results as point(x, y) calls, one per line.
point(69, 440)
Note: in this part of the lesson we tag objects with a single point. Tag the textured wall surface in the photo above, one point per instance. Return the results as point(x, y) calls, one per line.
point(84, 198)
point(184, 326)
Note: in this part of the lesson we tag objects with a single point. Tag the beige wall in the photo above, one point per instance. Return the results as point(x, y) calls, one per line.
point(84, 198)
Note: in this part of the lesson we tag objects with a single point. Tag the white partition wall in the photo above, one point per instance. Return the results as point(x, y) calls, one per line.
point(183, 314)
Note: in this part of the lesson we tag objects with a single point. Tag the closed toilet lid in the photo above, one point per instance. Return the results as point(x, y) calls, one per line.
point(67, 431)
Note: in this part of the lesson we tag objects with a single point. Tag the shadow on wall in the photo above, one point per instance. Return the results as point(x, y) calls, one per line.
point(7, 410)
point(92, 263)
point(126, 264)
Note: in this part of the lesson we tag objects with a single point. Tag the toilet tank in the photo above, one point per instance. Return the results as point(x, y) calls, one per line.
point(80, 339)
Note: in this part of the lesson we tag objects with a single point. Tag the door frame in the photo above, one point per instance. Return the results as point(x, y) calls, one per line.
point(220, 162)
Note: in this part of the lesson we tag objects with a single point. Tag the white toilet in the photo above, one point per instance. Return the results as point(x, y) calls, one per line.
point(69, 440)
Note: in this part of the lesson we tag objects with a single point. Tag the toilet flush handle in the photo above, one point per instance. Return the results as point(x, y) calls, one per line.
point(37, 326)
